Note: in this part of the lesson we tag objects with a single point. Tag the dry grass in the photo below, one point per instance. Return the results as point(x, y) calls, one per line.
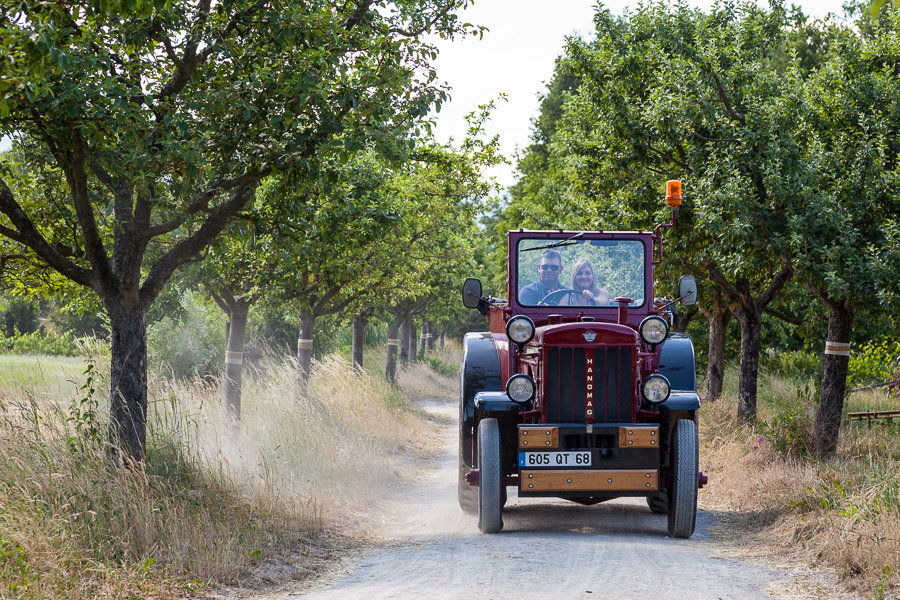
point(422, 380)
point(841, 514)
point(214, 504)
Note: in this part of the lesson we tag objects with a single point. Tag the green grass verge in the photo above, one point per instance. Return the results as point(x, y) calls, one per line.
point(44, 376)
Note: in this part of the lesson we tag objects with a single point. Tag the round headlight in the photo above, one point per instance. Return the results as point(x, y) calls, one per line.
point(520, 388)
point(654, 330)
point(520, 329)
point(655, 389)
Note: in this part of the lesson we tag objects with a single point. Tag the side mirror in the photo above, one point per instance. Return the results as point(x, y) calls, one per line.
point(471, 292)
point(687, 290)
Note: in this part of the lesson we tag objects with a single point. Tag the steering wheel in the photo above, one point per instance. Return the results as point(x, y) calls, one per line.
point(556, 296)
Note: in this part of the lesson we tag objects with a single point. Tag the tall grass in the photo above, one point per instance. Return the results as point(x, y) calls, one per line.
point(214, 501)
point(842, 513)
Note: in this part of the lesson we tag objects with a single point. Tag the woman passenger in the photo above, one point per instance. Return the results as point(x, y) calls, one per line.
point(584, 280)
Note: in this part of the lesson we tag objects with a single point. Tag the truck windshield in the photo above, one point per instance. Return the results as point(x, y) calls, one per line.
point(571, 271)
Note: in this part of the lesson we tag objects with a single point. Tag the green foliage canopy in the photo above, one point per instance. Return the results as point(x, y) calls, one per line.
point(159, 120)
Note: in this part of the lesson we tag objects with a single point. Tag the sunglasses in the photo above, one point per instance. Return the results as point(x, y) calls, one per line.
point(550, 267)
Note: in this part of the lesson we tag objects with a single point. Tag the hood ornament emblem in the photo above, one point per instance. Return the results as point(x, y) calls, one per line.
point(590, 336)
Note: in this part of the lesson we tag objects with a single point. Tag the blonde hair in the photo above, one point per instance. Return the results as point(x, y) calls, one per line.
point(595, 286)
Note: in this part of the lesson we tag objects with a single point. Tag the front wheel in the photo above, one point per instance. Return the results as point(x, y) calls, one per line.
point(490, 501)
point(683, 491)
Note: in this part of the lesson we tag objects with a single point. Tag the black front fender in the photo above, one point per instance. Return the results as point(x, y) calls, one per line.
point(480, 373)
point(676, 362)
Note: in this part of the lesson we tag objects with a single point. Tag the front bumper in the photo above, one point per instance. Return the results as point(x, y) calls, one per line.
point(625, 460)
point(582, 480)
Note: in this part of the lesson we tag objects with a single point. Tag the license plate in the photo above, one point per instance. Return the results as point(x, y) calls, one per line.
point(555, 459)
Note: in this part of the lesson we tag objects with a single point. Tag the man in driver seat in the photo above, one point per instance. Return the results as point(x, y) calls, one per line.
point(549, 270)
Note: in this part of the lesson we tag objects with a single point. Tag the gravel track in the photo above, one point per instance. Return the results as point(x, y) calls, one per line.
point(547, 549)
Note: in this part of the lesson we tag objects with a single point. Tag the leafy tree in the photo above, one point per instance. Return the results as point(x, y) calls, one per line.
point(20, 316)
point(844, 236)
point(160, 120)
point(449, 191)
point(390, 235)
point(786, 131)
point(878, 5)
point(673, 92)
point(237, 271)
point(329, 244)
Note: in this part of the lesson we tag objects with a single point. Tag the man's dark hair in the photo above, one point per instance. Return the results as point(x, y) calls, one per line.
point(551, 253)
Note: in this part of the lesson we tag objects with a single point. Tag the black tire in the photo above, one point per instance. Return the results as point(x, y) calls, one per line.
point(490, 502)
point(683, 492)
point(659, 504)
point(465, 493)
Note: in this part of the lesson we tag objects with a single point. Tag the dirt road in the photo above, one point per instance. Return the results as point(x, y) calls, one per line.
point(547, 549)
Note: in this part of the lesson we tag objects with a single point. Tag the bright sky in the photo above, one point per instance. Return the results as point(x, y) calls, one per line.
point(516, 57)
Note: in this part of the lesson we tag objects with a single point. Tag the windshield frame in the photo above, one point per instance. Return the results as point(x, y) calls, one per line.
point(579, 237)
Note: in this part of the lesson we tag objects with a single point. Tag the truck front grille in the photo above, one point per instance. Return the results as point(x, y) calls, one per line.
point(566, 384)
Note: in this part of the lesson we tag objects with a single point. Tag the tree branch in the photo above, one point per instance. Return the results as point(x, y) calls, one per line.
point(221, 300)
point(164, 228)
point(356, 18)
point(775, 286)
point(192, 245)
point(191, 59)
point(679, 147)
point(829, 302)
point(28, 235)
point(703, 138)
point(428, 23)
point(723, 96)
point(200, 203)
point(101, 174)
point(76, 177)
point(170, 52)
point(783, 317)
point(720, 280)
point(5, 258)
point(665, 156)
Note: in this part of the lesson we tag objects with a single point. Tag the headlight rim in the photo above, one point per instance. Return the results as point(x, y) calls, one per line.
point(649, 319)
point(512, 320)
point(526, 378)
point(653, 377)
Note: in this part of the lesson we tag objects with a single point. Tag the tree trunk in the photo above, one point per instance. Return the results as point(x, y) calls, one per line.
point(749, 377)
point(128, 380)
point(834, 378)
point(429, 337)
point(748, 311)
point(718, 316)
point(234, 358)
point(683, 318)
point(390, 369)
point(304, 349)
point(443, 334)
point(413, 341)
point(359, 335)
point(404, 342)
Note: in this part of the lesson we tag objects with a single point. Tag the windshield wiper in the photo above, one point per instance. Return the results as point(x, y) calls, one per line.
point(566, 242)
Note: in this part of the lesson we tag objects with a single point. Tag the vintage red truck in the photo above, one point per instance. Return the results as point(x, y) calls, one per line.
point(579, 390)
